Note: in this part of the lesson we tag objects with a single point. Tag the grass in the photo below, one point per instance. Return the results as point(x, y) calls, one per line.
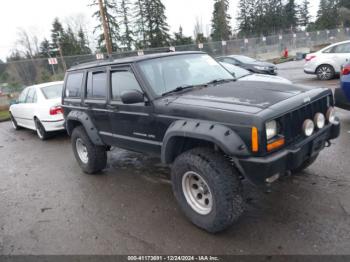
point(4, 115)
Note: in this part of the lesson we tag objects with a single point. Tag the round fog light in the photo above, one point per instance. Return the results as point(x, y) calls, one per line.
point(331, 116)
point(308, 127)
point(319, 120)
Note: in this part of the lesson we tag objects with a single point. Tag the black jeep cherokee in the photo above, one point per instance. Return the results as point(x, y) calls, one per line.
point(213, 131)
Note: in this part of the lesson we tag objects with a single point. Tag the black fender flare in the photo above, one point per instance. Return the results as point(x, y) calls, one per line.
point(222, 136)
point(84, 119)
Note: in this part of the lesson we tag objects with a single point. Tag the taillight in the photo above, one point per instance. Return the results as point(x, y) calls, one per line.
point(346, 70)
point(309, 58)
point(56, 110)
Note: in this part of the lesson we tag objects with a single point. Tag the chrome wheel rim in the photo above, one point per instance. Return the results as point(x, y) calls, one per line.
point(197, 193)
point(82, 151)
point(324, 72)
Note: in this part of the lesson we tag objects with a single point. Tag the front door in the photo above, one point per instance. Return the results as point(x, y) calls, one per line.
point(133, 125)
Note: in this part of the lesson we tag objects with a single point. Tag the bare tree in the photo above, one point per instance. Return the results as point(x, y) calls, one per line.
point(198, 27)
point(27, 43)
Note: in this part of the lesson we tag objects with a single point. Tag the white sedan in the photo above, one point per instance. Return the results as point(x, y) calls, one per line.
point(39, 108)
point(327, 62)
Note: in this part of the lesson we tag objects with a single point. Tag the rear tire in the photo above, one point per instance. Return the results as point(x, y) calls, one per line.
point(40, 130)
point(325, 72)
point(305, 165)
point(207, 189)
point(91, 158)
point(14, 123)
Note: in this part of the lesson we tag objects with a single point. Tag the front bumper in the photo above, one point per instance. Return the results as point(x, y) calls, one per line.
point(258, 169)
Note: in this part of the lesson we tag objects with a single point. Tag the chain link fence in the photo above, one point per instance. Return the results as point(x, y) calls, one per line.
point(28, 72)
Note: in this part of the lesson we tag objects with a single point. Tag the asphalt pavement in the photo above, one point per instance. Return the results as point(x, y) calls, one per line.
point(48, 206)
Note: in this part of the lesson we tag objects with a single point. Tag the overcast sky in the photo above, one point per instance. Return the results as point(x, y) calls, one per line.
point(36, 16)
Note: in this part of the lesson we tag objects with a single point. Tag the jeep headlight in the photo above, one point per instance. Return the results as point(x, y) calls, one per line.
point(331, 116)
point(271, 129)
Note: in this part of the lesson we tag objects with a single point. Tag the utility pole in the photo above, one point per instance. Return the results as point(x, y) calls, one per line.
point(61, 52)
point(105, 28)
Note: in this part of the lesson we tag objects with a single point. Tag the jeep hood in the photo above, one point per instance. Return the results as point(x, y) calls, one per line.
point(243, 96)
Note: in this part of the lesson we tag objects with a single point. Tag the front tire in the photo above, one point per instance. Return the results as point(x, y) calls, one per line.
point(91, 158)
point(207, 189)
point(325, 72)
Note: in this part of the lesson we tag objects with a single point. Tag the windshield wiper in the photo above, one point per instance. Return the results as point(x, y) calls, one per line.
point(181, 88)
point(178, 89)
point(218, 81)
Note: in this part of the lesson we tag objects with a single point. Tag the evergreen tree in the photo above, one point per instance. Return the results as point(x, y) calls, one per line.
point(327, 15)
point(157, 31)
point(344, 3)
point(45, 48)
point(69, 42)
point(111, 9)
point(56, 33)
point(221, 29)
point(290, 18)
point(83, 43)
point(304, 15)
point(140, 23)
point(244, 20)
point(180, 39)
point(127, 37)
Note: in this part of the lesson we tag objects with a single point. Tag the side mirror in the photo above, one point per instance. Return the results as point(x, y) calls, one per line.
point(132, 97)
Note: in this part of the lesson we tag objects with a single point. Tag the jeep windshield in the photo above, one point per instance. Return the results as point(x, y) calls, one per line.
point(171, 74)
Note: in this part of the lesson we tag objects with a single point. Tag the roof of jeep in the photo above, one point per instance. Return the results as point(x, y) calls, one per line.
point(131, 59)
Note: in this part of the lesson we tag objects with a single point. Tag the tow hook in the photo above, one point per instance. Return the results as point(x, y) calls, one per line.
point(328, 143)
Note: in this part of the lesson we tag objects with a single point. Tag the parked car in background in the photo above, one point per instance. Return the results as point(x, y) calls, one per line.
point(327, 62)
point(250, 64)
point(39, 108)
point(242, 74)
point(342, 95)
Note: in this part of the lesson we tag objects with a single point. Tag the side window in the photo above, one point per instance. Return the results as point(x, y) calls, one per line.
point(73, 85)
point(328, 50)
point(22, 96)
point(341, 49)
point(122, 81)
point(96, 85)
point(30, 96)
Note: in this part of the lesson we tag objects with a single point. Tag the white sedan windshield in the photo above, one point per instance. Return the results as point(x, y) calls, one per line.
point(168, 73)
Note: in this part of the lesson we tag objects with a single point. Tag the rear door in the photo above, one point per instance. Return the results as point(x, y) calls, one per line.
point(29, 108)
point(340, 54)
point(95, 98)
point(133, 126)
point(17, 110)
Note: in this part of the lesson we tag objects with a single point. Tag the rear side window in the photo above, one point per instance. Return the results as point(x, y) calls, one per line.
point(51, 92)
point(73, 85)
point(31, 96)
point(343, 48)
point(96, 85)
point(123, 81)
point(23, 95)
